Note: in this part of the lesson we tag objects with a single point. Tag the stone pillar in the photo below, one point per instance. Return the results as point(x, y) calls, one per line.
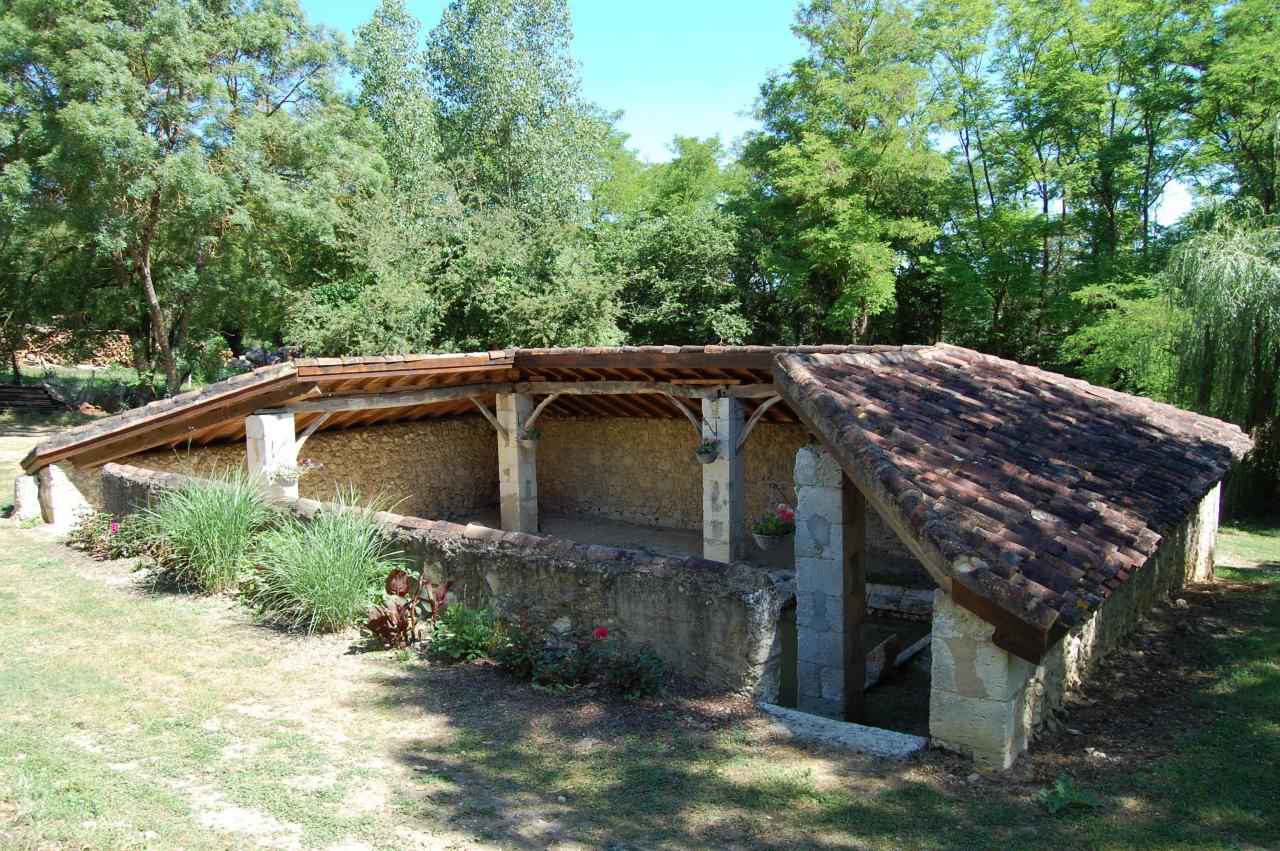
point(1200, 567)
point(977, 703)
point(724, 484)
point(831, 605)
point(26, 499)
point(271, 445)
point(517, 466)
point(61, 503)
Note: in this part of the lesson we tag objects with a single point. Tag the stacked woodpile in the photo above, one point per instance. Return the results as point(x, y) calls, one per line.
point(52, 347)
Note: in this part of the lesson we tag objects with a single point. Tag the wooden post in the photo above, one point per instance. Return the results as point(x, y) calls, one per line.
point(724, 488)
point(517, 466)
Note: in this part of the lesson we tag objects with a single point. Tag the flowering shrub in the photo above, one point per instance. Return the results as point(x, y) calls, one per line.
point(619, 668)
point(556, 665)
point(779, 522)
point(103, 536)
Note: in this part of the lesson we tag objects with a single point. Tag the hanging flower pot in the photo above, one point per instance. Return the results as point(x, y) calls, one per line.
point(774, 528)
point(529, 437)
point(769, 543)
point(707, 451)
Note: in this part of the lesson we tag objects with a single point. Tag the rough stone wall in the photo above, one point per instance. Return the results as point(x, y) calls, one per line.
point(989, 704)
point(443, 469)
point(635, 470)
point(713, 622)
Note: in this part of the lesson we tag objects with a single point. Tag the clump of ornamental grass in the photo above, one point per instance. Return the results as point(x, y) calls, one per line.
point(322, 574)
point(203, 530)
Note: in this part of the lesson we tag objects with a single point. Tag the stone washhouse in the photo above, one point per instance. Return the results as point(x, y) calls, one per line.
point(1030, 518)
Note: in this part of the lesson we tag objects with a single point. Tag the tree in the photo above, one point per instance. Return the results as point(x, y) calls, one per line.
point(1226, 281)
point(840, 167)
point(196, 151)
point(1238, 119)
point(506, 87)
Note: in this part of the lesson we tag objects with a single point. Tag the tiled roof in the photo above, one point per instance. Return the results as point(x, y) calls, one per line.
point(1037, 492)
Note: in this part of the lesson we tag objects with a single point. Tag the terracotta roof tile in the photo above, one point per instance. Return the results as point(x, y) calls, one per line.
point(1045, 490)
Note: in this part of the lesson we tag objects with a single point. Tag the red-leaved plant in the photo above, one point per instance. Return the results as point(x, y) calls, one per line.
point(395, 624)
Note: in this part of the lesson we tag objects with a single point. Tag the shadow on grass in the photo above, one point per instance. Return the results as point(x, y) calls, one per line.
point(520, 769)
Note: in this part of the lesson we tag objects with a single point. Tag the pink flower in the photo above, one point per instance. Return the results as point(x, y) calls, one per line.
point(114, 527)
point(602, 633)
point(786, 513)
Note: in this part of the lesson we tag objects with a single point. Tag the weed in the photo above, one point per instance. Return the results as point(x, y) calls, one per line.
point(1065, 795)
point(464, 634)
point(105, 536)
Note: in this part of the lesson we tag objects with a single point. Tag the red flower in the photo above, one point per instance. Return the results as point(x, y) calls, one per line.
point(602, 633)
point(786, 513)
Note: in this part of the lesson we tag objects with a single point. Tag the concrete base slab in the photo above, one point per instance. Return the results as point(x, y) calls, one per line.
point(843, 734)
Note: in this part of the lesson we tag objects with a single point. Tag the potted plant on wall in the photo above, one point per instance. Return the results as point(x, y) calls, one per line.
point(707, 451)
point(529, 437)
point(287, 475)
point(773, 528)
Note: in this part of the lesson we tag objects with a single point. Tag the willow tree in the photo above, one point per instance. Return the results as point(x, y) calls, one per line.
point(1226, 280)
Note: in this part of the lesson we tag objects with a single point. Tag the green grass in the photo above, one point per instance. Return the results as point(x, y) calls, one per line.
point(131, 719)
point(1249, 544)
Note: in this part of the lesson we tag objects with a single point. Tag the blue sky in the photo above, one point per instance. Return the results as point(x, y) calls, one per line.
point(687, 67)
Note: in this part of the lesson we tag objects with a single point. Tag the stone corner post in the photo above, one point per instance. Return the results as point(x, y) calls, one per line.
point(831, 605)
point(517, 466)
point(61, 502)
point(977, 701)
point(1200, 560)
point(724, 483)
point(270, 445)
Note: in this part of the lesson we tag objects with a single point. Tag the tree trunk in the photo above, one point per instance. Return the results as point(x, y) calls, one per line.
point(173, 381)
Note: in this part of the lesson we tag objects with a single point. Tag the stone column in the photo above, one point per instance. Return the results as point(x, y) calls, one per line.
point(831, 604)
point(977, 703)
point(1200, 566)
point(26, 499)
point(517, 466)
point(724, 484)
point(270, 445)
point(61, 503)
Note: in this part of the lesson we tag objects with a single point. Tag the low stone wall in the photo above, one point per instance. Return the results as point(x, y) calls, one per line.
point(989, 704)
point(713, 622)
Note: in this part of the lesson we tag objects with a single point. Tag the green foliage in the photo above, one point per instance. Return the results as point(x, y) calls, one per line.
point(190, 160)
point(204, 531)
point(464, 633)
point(1064, 796)
point(105, 536)
point(839, 166)
point(506, 88)
point(1225, 282)
point(519, 649)
point(321, 573)
point(559, 667)
point(626, 671)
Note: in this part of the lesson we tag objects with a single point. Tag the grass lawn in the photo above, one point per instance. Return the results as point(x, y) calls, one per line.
point(131, 718)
